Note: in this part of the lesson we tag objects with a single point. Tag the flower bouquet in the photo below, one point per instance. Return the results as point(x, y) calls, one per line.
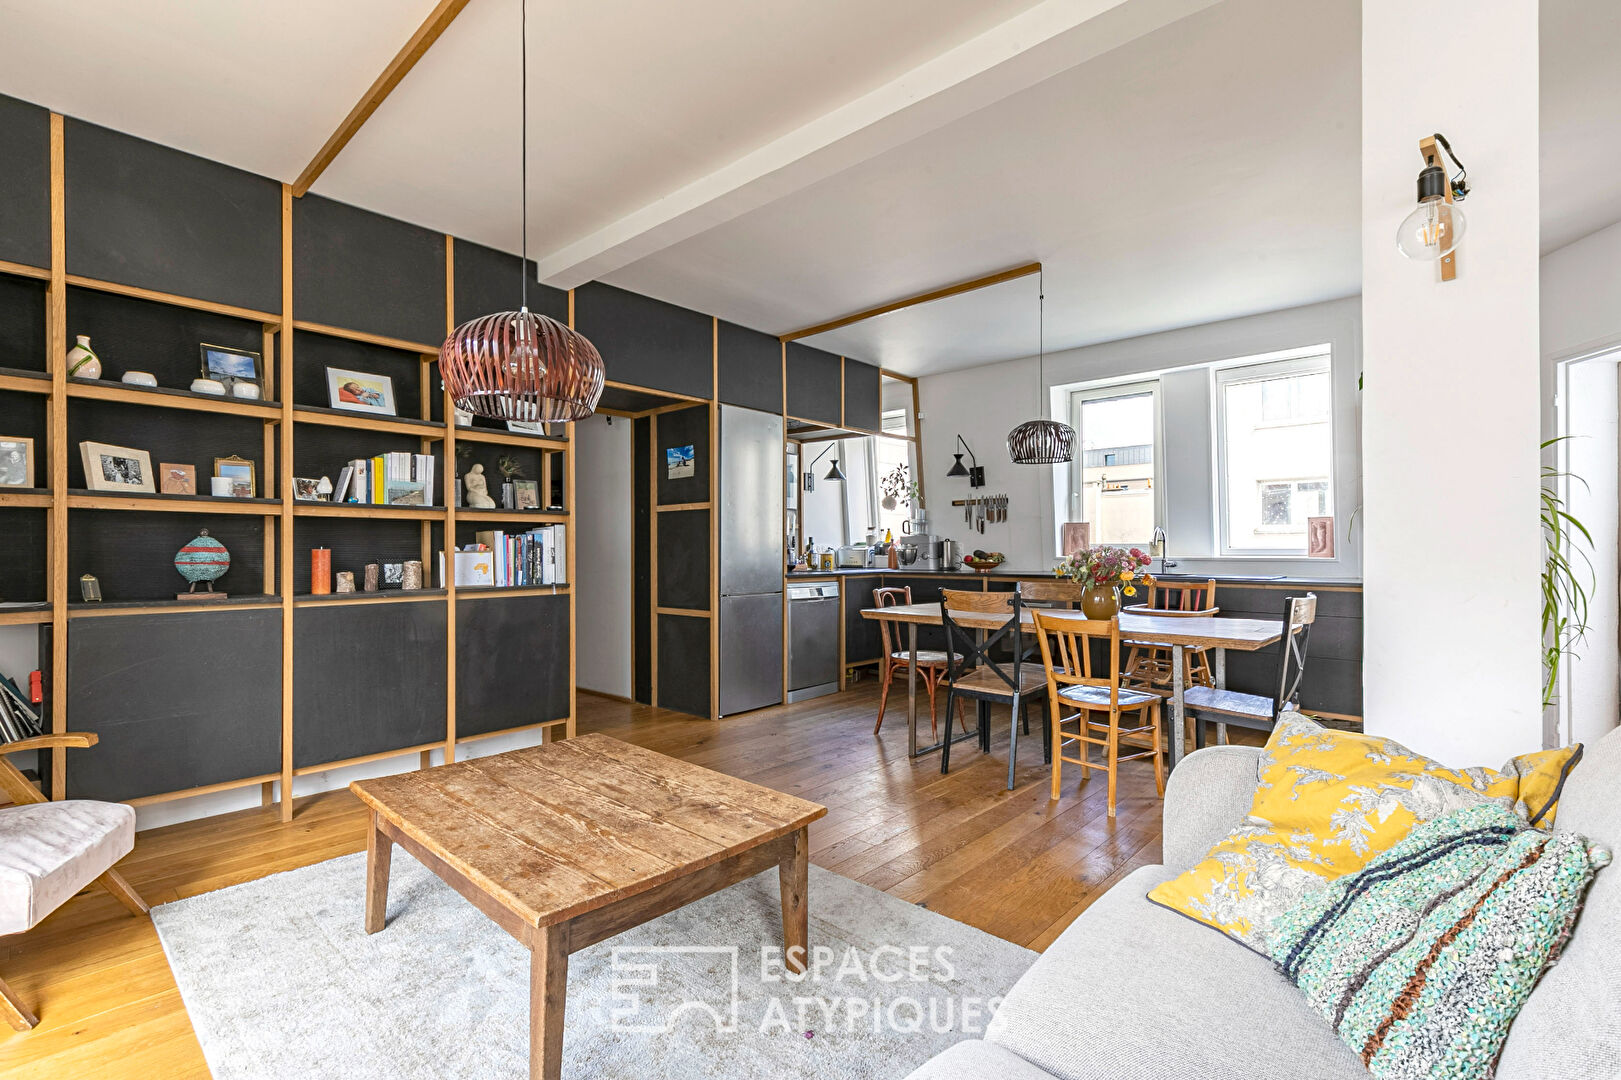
point(1102, 570)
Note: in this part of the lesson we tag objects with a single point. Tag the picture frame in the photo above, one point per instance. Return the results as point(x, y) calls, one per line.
point(176, 479)
point(1320, 537)
point(16, 461)
point(528, 427)
point(228, 366)
point(307, 489)
point(241, 471)
point(526, 495)
point(116, 468)
point(360, 391)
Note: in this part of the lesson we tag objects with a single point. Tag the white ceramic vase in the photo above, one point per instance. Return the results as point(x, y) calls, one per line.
point(83, 363)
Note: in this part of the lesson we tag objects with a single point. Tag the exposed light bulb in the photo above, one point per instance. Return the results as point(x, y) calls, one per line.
point(1431, 231)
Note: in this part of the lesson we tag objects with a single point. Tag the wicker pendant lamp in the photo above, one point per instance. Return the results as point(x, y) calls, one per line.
point(516, 365)
point(1041, 442)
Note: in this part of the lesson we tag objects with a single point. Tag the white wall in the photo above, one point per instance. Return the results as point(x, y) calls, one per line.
point(602, 557)
point(1452, 388)
point(985, 403)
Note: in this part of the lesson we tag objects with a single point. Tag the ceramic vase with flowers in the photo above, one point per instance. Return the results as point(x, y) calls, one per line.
point(1106, 573)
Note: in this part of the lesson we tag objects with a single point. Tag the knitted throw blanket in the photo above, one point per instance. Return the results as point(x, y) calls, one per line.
point(1423, 958)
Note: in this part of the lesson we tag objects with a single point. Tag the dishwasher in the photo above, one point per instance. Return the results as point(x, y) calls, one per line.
point(813, 640)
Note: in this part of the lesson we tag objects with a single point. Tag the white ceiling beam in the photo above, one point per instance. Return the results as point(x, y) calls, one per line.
point(1035, 45)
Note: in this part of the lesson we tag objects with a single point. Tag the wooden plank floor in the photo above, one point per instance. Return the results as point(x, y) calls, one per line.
point(1012, 863)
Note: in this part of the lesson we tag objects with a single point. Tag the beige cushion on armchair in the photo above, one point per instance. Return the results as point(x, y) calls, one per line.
point(51, 850)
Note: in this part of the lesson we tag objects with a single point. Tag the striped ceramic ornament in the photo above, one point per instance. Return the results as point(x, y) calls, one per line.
point(204, 559)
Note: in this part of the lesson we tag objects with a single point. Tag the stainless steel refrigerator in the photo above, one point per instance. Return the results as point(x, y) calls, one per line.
point(751, 559)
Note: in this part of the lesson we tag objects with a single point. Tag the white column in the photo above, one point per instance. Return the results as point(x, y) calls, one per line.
point(1451, 413)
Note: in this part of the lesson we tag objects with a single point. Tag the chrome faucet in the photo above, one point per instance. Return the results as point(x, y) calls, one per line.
point(1162, 542)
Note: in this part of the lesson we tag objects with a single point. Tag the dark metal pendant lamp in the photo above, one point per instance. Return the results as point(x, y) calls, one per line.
point(1040, 441)
point(517, 365)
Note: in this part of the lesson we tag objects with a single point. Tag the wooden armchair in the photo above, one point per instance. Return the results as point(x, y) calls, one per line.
point(49, 851)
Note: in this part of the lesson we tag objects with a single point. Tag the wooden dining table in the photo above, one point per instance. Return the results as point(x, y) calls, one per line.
point(1178, 632)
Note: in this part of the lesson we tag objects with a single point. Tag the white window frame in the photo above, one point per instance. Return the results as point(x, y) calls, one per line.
point(1079, 396)
point(1313, 359)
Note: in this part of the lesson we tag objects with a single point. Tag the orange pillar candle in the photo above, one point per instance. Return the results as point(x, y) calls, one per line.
point(320, 571)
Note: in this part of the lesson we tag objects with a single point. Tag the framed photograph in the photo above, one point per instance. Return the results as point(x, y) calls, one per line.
point(1320, 537)
point(526, 495)
point(244, 482)
point(228, 366)
point(393, 574)
point(307, 489)
point(679, 461)
point(529, 427)
point(177, 479)
point(16, 461)
point(116, 468)
point(360, 391)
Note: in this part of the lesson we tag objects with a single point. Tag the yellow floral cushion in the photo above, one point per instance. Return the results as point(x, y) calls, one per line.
point(1328, 803)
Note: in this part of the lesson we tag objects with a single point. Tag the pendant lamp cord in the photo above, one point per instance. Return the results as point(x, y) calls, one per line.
point(523, 169)
point(1041, 339)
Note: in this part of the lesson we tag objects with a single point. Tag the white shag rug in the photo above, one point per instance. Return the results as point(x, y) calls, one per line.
point(280, 981)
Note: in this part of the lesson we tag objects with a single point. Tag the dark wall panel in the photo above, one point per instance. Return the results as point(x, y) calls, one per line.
point(367, 678)
point(25, 183)
point(487, 281)
point(813, 384)
point(132, 552)
point(179, 701)
point(683, 427)
point(646, 342)
point(641, 617)
point(148, 215)
point(749, 368)
point(313, 353)
point(684, 560)
point(354, 542)
point(22, 322)
point(22, 571)
point(861, 636)
point(862, 407)
point(684, 664)
point(363, 271)
point(511, 662)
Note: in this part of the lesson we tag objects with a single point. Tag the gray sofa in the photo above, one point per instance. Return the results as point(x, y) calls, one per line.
point(1131, 991)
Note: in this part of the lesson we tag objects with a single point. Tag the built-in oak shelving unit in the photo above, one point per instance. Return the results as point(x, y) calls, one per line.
point(167, 251)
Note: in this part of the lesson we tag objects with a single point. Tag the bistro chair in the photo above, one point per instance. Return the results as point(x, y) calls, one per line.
point(931, 663)
point(981, 677)
point(1148, 666)
point(1074, 682)
point(1057, 593)
point(1206, 704)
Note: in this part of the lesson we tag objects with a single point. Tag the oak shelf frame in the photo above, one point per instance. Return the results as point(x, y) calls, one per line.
point(280, 416)
point(540, 517)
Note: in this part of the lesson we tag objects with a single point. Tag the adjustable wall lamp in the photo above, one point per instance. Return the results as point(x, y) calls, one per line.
point(974, 472)
point(833, 473)
point(1433, 229)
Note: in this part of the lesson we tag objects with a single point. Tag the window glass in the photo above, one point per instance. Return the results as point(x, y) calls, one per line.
point(1114, 478)
point(1276, 452)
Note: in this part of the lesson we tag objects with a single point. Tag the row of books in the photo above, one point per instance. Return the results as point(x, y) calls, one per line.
point(538, 556)
point(19, 719)
point(392, 479)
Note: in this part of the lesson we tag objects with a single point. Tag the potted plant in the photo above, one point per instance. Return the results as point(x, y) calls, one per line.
point(898, 487)
point(1106, 572)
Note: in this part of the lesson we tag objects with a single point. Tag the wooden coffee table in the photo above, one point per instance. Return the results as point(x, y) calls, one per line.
point(569, 843)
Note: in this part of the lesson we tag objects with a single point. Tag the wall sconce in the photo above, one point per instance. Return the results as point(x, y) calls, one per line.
point(974, 472)
point(833, 472)
point(1432, 231)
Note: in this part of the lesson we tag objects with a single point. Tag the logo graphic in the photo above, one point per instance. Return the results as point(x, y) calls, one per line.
point(651, 994)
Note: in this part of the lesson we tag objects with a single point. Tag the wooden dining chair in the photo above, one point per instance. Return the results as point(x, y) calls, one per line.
point(1206, 704)
point(1074, 682)
point(1059, 592)
point(1148, 666)
point(984, 679)
point(931, 663)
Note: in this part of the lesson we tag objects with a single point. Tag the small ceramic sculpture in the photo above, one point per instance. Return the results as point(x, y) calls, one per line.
point(246, 390)
point(208, 386)
point(83, 363)
point(476, 488)
point(140, 378)
point(346, 581)
point(324, 489)
point(411, 577)
point(202, 562)
point(372, 571)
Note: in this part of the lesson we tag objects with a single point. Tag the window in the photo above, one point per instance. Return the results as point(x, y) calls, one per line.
point(1275, 452)
point(888, 455)
point(1113, 479)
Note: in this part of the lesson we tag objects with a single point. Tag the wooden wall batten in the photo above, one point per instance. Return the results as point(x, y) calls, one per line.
point(150, 216)
point(357, 270)
point(25, 171)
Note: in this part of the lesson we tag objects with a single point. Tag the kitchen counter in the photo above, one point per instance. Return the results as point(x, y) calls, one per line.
point(1004, 573)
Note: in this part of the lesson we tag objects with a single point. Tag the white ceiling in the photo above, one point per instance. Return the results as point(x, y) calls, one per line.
point(781, 163)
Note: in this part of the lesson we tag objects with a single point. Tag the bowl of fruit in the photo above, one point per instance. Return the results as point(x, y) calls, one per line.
point(985, 561)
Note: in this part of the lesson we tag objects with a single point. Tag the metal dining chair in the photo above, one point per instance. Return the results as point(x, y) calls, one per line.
point(1206, 704)
point(974, 672)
